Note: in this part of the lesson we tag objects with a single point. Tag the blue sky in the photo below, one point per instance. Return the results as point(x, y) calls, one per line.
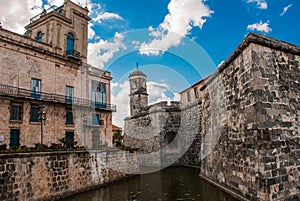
point(223, 30)
point(175, 42)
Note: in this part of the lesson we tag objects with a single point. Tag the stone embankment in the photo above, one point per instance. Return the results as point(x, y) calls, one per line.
point(53, 175)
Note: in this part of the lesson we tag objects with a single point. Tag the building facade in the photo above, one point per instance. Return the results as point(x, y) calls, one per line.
point(47, 89)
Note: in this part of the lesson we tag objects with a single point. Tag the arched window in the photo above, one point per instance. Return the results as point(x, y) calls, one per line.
point(39, 36)
point(70, 42)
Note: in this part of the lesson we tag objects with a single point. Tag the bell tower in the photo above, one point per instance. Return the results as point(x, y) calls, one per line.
point(138, 91)
point(64, 28)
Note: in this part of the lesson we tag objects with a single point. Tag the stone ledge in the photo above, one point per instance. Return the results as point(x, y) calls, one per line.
point(30, 154)
point(230, 192)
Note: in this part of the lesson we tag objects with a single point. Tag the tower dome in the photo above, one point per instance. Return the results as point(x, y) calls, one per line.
point(137, 72)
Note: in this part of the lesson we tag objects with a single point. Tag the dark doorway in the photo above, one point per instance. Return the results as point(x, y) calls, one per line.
point(14, 138)
point(69, 139)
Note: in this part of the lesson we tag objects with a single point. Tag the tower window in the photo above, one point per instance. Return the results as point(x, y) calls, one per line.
point(70, 42)
point(39, 36)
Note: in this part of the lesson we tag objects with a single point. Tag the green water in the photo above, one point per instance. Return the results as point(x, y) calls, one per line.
point(170, 184)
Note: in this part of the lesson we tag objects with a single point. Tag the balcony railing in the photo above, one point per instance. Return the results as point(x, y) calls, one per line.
point(73, 53)
point(11, 91)
point(49, 10)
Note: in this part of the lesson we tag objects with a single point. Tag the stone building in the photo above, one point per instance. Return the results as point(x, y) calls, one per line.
point(240, 125)
point(47, 89)
point(248, 139)
point(150, 127)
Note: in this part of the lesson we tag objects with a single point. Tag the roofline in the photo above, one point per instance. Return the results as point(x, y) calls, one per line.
point(254, 38)
point(59, 16)
point(195, 84)
point(132, 74)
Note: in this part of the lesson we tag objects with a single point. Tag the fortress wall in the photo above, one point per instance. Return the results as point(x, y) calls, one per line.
point(151, 130)
point(257, 149)
point(53, 175)
point(189, 132)
point(243, 130)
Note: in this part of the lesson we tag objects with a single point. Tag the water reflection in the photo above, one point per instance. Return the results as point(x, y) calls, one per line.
point(170, 184)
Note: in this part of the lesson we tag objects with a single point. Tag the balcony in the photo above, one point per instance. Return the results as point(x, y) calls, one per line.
point(10, 91)
point(73, 54)
point(52, 9)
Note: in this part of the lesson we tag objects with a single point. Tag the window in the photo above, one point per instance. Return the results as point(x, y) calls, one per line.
point(70, 44)
point(188, 96)
point(34, 113)
point(69, 94)
point(69, 139)
point(35, 88)
point(14, 138)
point(196, 92)
point(99, 94)
point(39, 36)
point(69, 116)
point(16, 111)
point(96, 119)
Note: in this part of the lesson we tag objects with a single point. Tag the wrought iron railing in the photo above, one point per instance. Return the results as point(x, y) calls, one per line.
point(49, 10)
point(73, 53)
point(11, 91)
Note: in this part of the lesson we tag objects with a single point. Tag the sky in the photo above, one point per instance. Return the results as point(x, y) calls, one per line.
point(175, 42)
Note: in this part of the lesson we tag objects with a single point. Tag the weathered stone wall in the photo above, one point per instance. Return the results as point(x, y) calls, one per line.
point(44, 176)
point(189, 132)
point(257, 152)
point(152, 130)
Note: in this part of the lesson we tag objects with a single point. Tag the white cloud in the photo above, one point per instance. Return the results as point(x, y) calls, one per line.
point(102, 51)
point(182, 17)
point(106, 15)
point(261, 4)
point(15, 14)
point(55, 2)
point(157, 92)
point(285, 9)
point(121, 99)
point(262, 27)
point(91, 32)
point(83, 3)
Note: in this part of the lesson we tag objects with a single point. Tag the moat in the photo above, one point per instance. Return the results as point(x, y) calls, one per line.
point(170, 184)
